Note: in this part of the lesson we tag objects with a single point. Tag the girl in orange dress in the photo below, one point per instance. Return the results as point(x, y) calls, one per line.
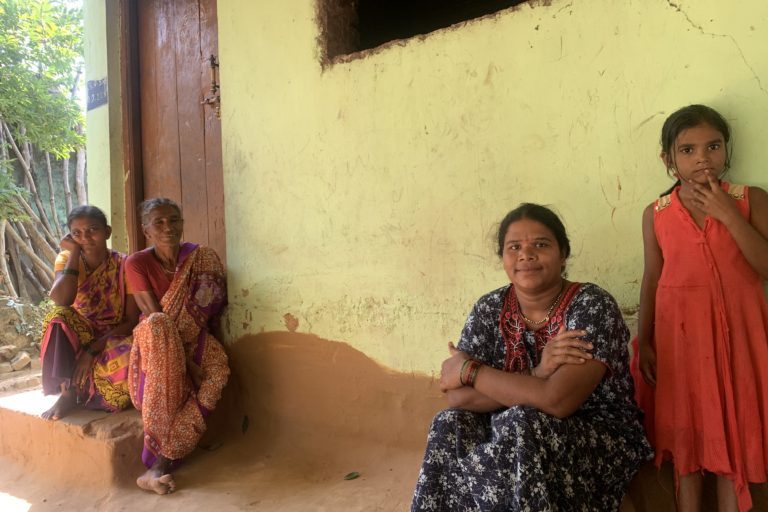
point(701, 367)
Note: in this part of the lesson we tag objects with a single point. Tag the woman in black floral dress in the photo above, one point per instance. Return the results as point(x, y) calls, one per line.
point(542, 415)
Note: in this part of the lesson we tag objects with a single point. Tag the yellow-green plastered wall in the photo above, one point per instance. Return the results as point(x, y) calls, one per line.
point(361, 198)
point(104, 123)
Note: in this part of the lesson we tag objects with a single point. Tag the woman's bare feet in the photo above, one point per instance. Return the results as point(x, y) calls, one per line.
point(63, 405)
point(157, 478)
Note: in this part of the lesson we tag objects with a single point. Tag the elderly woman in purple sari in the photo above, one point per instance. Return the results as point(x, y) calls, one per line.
point(177, 368)
point(87, 335)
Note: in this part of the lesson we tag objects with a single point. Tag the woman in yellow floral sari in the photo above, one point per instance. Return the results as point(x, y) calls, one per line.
point(86, 341)
point(177, 369)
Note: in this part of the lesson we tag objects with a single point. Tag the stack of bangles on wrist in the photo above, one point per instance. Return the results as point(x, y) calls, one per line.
point(69, 272)
point(468, 372)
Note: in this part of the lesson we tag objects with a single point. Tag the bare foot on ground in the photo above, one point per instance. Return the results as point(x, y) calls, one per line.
point(63, 405)
point(154, 480)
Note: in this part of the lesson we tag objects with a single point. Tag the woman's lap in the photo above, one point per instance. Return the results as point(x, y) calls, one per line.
point(107, 385)
point(518, 458)
point(163, 391)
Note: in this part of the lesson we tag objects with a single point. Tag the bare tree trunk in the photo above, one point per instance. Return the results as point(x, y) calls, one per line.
point(3, 148)
point(38, 243)
point(36, 261)
point(16, 260)
point(6, 276)
point(39, 277)
point(33, 280)
point(80, 186)
point(35, 190)
point(42, 277)
point(24, 160)
point(52, 195)
point(35, 241)
point(32, 215)
point(65, 166)
point(22, 231)
point(67, 189)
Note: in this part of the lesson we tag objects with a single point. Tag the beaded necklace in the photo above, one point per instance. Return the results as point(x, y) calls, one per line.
point(88, 269)
point(162, 264)
point(549, 311)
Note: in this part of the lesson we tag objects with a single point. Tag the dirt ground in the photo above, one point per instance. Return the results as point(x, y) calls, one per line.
point(322, 411)
point(294, 473)
point(234, 479)
point(282, 439)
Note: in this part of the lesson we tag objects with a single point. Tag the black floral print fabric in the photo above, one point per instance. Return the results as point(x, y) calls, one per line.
point(521, 459)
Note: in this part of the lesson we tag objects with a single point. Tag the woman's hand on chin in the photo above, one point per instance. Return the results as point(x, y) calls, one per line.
point(68, 244)
point(450, 374)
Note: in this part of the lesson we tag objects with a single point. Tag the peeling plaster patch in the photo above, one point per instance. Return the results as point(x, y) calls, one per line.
point(560, 10)
point(489, 74)
point(291, 322)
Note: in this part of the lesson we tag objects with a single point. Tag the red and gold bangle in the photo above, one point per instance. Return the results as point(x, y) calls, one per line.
point(474, 368)
point(461, 372)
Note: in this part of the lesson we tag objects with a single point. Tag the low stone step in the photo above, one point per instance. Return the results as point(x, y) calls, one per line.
point(85, 446)
point(19, 381)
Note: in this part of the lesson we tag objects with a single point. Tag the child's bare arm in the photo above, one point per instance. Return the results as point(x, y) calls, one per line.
point(653, 263)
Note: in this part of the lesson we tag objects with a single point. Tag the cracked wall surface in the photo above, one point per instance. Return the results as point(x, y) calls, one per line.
point(361, 196)
point(373, 185)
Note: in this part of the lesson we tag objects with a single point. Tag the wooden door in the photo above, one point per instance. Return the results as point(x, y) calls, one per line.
point(180, 135)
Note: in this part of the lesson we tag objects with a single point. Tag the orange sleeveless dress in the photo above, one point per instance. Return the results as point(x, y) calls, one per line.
point(709, 410)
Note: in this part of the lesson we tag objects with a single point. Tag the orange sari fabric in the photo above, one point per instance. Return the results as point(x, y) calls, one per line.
point(173, 409)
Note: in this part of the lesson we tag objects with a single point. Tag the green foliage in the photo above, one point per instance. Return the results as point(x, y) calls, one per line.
point(41, 48)
point(9, 207)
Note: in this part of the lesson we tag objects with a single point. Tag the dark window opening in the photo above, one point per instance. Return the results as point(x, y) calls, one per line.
point(353, 25)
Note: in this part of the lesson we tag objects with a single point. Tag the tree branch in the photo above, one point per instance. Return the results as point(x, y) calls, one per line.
point(38, 242)
point(32, 278)
point(6, 276)
point(16, 260)
point(52, 195)
point(40, 264)
point(32, 215)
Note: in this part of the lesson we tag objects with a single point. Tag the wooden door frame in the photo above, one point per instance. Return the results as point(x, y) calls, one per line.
point(133, 174)
point(133, 158)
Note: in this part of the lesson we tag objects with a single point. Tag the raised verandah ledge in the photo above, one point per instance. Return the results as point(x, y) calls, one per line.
point(283, 438)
